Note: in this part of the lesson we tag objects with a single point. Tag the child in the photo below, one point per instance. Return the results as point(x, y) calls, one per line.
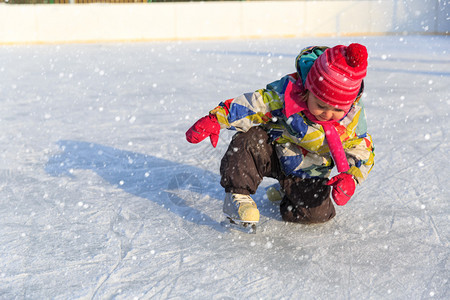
point(296, 130)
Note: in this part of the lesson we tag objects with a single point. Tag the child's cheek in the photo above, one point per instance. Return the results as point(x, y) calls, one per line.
point(340, 115)
point(317, 111)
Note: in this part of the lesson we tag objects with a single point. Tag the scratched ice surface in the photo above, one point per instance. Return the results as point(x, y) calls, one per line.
point(102, 197)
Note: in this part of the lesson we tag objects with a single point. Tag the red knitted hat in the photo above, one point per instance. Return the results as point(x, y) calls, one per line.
point(337, 74)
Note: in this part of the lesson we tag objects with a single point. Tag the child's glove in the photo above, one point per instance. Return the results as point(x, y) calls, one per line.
point(343, 188)
point(206, 126)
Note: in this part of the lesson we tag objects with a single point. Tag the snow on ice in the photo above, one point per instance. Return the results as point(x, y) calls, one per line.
point(101, 196)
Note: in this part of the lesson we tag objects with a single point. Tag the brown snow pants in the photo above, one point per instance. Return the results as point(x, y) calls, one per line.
point(251, 156)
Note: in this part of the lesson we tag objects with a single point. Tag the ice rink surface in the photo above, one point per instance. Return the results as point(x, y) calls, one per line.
point(101, 197)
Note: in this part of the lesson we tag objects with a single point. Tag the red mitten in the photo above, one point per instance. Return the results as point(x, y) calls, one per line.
point(343, 188)
point(206, 126)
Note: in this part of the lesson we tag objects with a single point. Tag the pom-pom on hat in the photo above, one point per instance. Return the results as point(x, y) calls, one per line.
point(337, 74)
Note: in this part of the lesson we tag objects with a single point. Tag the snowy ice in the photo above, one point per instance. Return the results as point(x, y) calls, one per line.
point(101, 197)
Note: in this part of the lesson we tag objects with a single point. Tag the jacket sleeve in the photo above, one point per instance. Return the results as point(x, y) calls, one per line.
point(251, 109)
point(360, 150)
point(360, 158)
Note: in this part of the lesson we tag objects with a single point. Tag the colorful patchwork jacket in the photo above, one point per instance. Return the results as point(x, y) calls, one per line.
point(300, 143)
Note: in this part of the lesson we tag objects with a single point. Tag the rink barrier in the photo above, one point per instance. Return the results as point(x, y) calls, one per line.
point(103, 22)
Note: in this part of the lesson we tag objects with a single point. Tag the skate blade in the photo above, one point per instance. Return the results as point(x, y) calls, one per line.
point(246, 227)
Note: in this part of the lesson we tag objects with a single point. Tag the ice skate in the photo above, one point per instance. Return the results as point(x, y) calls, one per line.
point(241, 210)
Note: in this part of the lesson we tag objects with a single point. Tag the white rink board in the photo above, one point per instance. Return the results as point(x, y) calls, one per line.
point(217, 20)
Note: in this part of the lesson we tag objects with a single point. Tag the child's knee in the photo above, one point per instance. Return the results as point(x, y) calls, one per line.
point(307, 215)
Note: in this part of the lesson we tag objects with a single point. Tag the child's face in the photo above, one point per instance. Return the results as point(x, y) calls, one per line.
point(322, 111)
